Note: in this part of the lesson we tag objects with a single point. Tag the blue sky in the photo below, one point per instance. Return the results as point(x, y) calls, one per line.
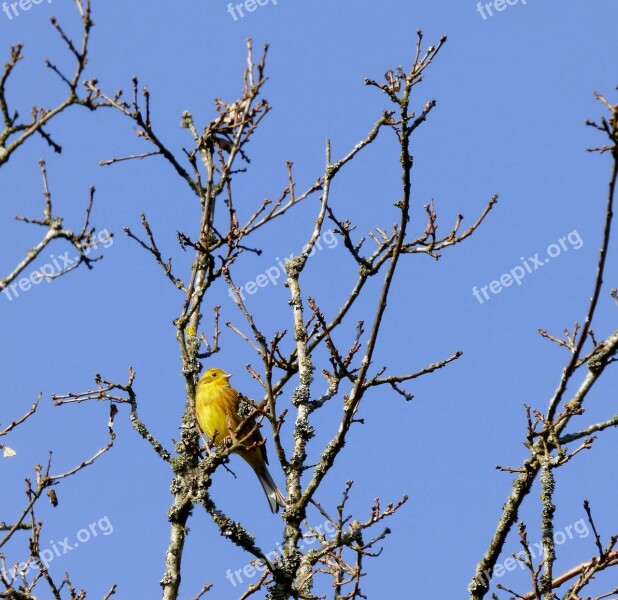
point(512, 90)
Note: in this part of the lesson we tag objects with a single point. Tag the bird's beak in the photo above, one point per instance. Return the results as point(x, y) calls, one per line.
point(226, 375)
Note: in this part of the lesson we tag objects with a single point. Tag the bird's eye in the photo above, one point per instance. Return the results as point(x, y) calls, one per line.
point(214, 374)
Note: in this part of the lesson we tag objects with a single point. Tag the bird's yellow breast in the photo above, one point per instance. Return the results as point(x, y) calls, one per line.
point(215, 407)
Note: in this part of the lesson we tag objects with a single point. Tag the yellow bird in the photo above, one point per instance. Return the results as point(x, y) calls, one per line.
point(216, 407)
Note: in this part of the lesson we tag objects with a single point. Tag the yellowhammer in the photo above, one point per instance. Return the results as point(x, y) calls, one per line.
point(216, 407)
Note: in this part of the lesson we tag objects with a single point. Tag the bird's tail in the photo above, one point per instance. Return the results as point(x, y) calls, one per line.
point(275, 497)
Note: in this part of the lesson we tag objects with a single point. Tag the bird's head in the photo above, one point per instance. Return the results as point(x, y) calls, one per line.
point(214, 377)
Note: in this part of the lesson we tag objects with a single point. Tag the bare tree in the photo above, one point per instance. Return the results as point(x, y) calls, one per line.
point(286, 363)
point(556, 436)
point(18, 131)
point(219, 241)
point(21, 581)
